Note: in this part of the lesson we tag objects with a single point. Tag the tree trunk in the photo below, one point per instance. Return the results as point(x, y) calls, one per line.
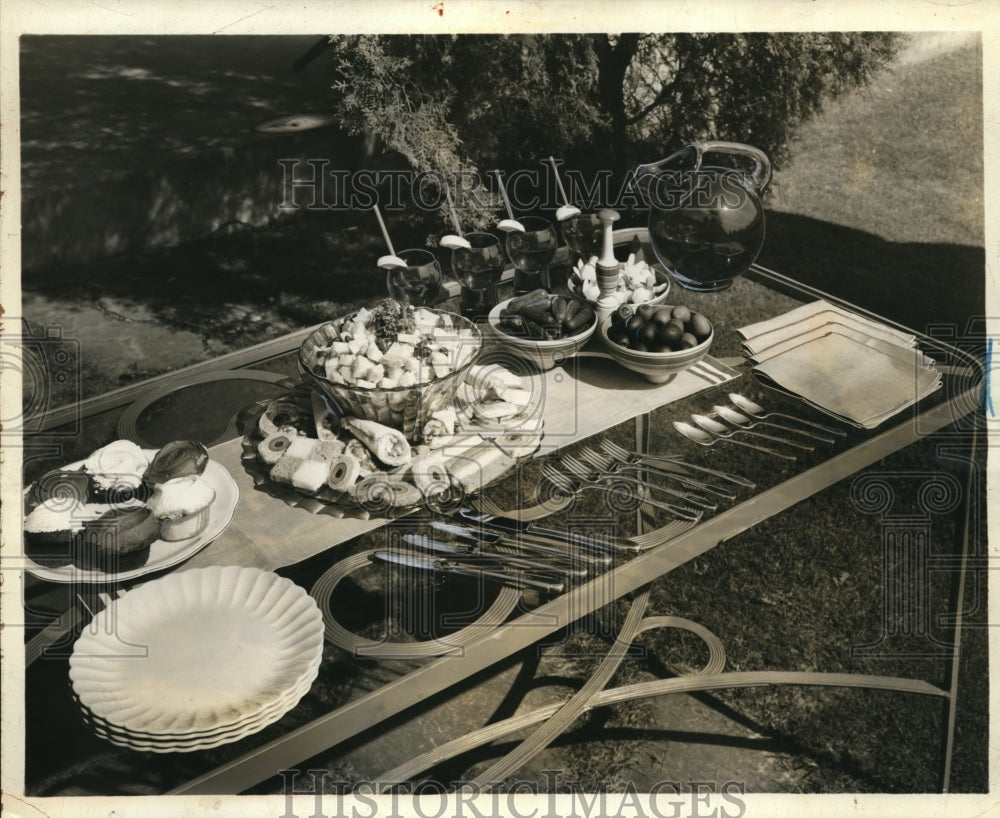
point(614, 60)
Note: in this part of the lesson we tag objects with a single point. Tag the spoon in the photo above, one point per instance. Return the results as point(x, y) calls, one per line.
point(567, 211)
point(703, 438)
point(730, 415)
point(510, 224)
point(757, 411)
point(720, 429)
point(391, 260)
point(453, 242)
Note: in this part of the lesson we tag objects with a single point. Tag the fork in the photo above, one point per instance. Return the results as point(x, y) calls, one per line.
point(598, 473)
point(641, 458)
point(608, 463)
point(571, 486)
point(525, 515)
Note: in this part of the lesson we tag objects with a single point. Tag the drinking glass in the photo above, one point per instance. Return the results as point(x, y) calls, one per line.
point(583, 235)
point(531, 253)
point(478, 269)
point(419, 282)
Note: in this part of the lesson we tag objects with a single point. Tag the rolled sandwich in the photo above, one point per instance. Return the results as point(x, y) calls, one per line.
point(440, 423)
point(387, 444)
point(430, 474)
point(479, 467)
point(344, 471)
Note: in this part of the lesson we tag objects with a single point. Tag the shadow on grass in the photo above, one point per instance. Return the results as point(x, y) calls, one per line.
point(915, 284)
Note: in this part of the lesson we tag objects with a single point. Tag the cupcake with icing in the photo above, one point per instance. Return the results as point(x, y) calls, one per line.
point(182, 506)
point(118, 540)
point(116, 472)
point(53, 527)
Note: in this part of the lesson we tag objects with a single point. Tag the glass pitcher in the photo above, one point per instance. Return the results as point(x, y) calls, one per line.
point(706, 220)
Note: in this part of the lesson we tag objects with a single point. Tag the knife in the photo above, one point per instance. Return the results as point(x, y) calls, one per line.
point(448, 566)
point(539, 534)
point(684, 465)
point(475, 555)
point(524, 543)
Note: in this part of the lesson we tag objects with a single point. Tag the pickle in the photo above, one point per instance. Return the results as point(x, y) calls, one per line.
point(558, 308)
point(523, 300)
point(540, 313)
point(578, 321)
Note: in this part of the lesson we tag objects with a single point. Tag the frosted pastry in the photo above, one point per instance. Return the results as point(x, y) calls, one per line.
point(52, 527)
point(182, 506)
point(116, 469)
point(376, 491)
point(301, 447)
point(430, 474)
point(440, 423)
point(479, 467)
point(282, 471)
point(118, 540)
point(179, 458)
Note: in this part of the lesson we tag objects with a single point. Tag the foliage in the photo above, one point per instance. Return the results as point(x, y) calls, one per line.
point(469, 103)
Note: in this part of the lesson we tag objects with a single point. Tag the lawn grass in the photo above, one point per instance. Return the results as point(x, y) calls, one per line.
point(881, 204)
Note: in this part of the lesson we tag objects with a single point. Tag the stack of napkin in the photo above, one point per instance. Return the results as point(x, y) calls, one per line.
point(851, 367)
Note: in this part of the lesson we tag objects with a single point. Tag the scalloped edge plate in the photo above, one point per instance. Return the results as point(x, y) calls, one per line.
point(162, 554)
point(150, 654)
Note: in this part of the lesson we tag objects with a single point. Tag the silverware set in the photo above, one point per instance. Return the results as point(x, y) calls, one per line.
point(685, 491)
point(516, 550)
point(742, 419)
point(505, 550)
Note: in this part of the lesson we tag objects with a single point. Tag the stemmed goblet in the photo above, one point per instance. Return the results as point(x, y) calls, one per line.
point(478, 269)
point(419, 282)
point(531, 252)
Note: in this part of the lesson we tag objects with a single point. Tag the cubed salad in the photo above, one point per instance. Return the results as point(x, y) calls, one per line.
point(393, 345)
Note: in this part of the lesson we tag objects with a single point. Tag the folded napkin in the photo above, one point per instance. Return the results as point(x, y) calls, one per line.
point(810, 316)
point(848, 366)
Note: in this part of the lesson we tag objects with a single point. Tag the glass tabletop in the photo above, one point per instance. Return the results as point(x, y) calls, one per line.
point(381, 604)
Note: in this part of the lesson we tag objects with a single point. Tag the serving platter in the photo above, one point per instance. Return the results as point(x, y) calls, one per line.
point(162, 554)
point(391, 491)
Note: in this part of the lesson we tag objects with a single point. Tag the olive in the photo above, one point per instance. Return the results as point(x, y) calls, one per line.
point(619, 336)
point(646, 311)
point(633, 323)
point(688, 341)
point(669, 333)
point(647, 334)
point(662, 315)
point(682, 314)
point(624, 312)
point(699, 326)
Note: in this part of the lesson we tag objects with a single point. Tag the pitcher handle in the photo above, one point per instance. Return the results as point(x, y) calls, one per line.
point(761, 174)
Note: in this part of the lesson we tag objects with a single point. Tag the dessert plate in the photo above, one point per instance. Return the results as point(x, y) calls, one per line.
point(198, 651)
point(162, 554)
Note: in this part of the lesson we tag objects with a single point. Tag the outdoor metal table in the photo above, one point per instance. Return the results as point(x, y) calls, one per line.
point(239, 767)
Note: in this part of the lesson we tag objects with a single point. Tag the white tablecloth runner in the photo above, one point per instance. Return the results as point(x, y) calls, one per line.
point(589, 395)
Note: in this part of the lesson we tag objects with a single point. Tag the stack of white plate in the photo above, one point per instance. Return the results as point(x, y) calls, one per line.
point(857, 369)
point(197, 659)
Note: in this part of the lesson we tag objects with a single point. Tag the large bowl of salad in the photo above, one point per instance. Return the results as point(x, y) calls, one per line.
point(392, 363)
